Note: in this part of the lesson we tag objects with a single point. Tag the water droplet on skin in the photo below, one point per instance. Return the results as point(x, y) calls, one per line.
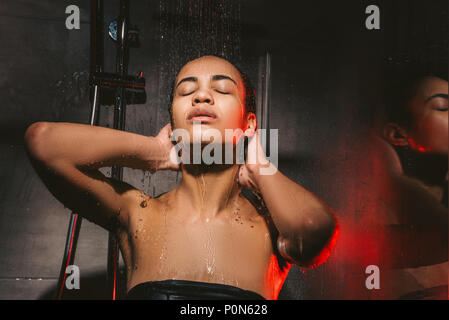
point(143, 204)
point(162, 256)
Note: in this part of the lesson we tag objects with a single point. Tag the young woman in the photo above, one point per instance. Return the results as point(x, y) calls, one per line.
point(417, 128)
point(202, 239)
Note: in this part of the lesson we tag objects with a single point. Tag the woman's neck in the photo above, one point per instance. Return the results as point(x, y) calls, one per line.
point(429, 169)
point(208, 190)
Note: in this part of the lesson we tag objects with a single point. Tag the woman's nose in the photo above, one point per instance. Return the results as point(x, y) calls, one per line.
point(203, 96)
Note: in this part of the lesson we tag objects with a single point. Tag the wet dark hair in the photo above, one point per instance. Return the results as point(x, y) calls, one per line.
point(400, 79)
point(250, 92)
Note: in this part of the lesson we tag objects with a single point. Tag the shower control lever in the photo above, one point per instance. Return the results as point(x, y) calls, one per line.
point(115, 80)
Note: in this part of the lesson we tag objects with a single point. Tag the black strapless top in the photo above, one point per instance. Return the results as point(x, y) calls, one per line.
point(188, 290)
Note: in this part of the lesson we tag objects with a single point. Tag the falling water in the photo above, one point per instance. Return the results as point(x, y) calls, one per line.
point(163, 255)
point(146, 182)
point(189, 29)
point(203, 190)
point(210, 256)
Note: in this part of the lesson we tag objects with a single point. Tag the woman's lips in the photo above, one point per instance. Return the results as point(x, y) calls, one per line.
point(201, 114)
point(202, 118)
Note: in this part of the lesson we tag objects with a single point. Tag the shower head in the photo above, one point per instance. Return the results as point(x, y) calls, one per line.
point(133, 33)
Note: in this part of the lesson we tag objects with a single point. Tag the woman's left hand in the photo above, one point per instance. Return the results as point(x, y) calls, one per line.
point(255, 160)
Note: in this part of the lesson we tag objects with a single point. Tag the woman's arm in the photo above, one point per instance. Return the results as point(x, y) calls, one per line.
point(307, 227)
point(420, 236)
point(67, 157)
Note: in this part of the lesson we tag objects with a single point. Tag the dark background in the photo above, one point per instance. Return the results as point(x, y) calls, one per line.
point(325, 76)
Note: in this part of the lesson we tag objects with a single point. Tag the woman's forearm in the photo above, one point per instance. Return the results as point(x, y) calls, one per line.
point(92, 147)
point(292, 207)
point(307, 226)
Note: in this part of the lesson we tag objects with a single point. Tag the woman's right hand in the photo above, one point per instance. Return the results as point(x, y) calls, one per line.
point(167, 150)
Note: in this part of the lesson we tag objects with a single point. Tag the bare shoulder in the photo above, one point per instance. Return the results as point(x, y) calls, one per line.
point(135, 198)
point(142, 203)
point(139, 200)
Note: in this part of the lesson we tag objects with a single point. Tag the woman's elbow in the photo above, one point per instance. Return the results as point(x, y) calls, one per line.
point(325, 238)
point(320, 224)
point(316, 239)
point(34, 139)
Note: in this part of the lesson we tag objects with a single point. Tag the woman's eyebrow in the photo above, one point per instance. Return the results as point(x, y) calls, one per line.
point(438, 95)
point(222, 77)
point(192, 79)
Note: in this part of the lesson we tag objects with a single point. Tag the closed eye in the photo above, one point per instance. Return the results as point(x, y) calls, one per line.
point(186, 94)
point(222, 92)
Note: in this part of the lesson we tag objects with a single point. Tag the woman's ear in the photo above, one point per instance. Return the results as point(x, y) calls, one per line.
point(395, 135)
point(251, 122)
